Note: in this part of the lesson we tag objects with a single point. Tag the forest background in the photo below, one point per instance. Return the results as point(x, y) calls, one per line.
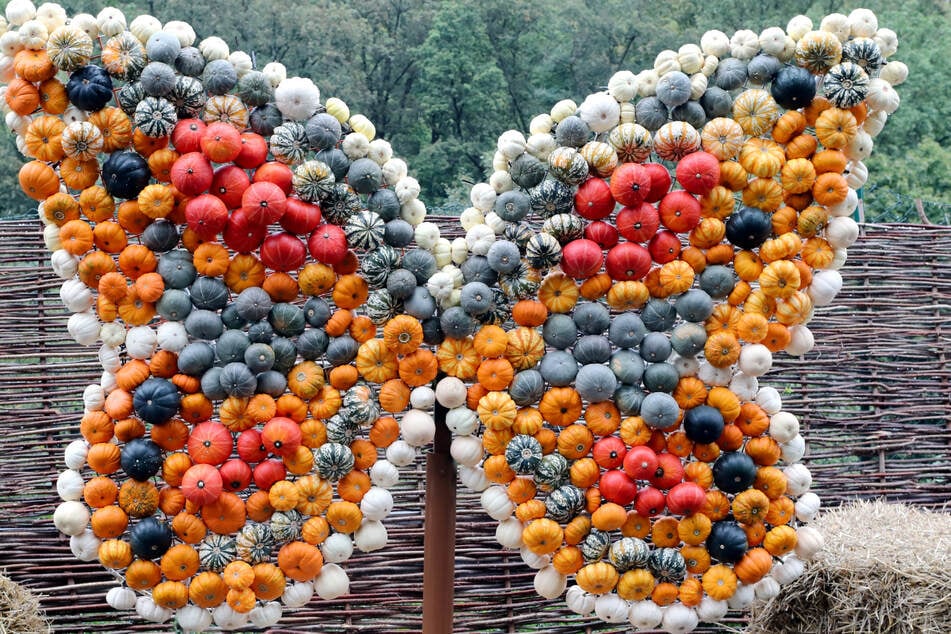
point(442, 79)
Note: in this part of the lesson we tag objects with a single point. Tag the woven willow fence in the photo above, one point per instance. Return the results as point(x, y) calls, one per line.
point(874, 396)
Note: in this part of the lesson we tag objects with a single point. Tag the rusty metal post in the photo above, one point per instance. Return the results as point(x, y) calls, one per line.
point(439, 547)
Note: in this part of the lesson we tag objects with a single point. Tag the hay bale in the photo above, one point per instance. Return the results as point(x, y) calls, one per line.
point(20, 611)
point(884, 568)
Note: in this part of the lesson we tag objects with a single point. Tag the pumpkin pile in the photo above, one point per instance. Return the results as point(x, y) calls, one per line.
point(243, 253)
point(655, 246)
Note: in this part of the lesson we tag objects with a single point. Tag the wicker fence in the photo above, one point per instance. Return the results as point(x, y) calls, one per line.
point(875, 398)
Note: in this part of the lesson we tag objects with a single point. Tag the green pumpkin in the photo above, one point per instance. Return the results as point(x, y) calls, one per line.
point(592, 349)
point(365, 231)
point(551, 197)
point(595, 545)
point(287, 319)
point(552, 471)
point(627, 366)
point(196, 358)
point(596, 383)
point(568, 165)
point(231, 345)
point(628, 553)
point(734, 472)
point(846, 85)
point(316, 312)
point(365, 176)
point(271, 383)
point(342, 350)
point(217, 551)
point(564, 502)
point(667, 564)
point(527, 171)
point(564, 227)
point(340, 430)
point(626, 330)
point(695, 305)
point(381, 306)
point(559, 331)
point(339, 203)
point(285, 354)
point(237, 380)
point(129, 96)
point(592, 318)
point(717, 281)
point(289, 144)
point(204, 324)
point(156, 401)
point(521, 283)
point(253, 304)
point(628, 399)
point(219, 77)
point(313, 180)
point(286, 525)
point(176, 269)
point(209, 293)
point(658, 315)
point(661, 377)
point(688, 339)
point(188, 97)
point(559, 368)
point(543, 251)
point(527, 387)
point(254, 543)
point(160, 236)
point(155, 116)
point(174, 305)
point(359, 405)
point(512, 205)
point(523, 454)
point(259, 357)
point(312, 343)
point(333, 461)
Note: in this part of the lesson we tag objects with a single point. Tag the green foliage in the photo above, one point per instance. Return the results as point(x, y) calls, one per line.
point(442, 78)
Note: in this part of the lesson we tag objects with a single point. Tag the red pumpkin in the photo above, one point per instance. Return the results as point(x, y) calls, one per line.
point(609, 452)
point(664, 246)
point(283, 252)
point(679, 211)
point(264, 202)
point(604, 234)
point(616, 486)
point(686, 498)
point(299, 217)
point(235, 475)
point(328, 244)
point(253, 151)
point(201, 484)
point(638, 223)
point(209, 443)
point(650, 502)
point(229, 184)
point(186, 137)
point(250, 446)
point(628, 261)
point(242, 234)
point(206, 215)
point(660, 181)
point(281, 436)
point(698, 172)
point(670, 471)
point(593, 199)
point(640, 462)
point(192, 174)
point(221, 142)
point(269, 472)
point(581, 258)
point(277, 173)
point(630, 184)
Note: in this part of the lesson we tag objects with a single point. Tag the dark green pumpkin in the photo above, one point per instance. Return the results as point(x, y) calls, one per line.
point(141, 459)
point(592, 318)
point(651, 113)
point(254, 89)
point(420, 304)
point(456, 323)
point(627, 366)
point(265, 119)
point(504, 256)
point(231, 346)
point(717, 281)
point(559, 368)
point(476, 298)
point(150, 538)
point(211, 384)
point(231, 319)
point(527, 171)
point(523, 454)
point(160, 236)
point(259, 357)
point(177, 269)
point(572, 132)
point(196, 358)
point(219, 77)
point(384, 203)
point(156, 401)
point(271, 383)
point(237, 380)
point(398, 233)
point(658, 315)
point(323, 131)
point(204, 324)
point(527, 387)
point(401, 284)
point(158, 79)
point(209, 293)
point(793, 87)
point(420, 263)
point(342, 350)
point(660, 377)
point(316, 312)
point(566, 500)
point(655, 347)
point(253, 304)
point(174, 305)
point(125, 173)
point(189, 61)
point(476, 268)
point(261, 332)
point(734, 471)
point(287, 319)
point(763, 68)
point(560, 331)
point(727, 542)
point(747, 228)
point(512, 205)
point(89, 88)
point(592, 349)
point(703, 424)
point(338, 162)
point(312, 343)
point(694, 305)
point(688, 339)
point(716, 102)
point(432, 332)
point(365, 176)
point(629, 399)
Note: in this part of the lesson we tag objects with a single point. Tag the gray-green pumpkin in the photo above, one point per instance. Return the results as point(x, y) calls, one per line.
point(365, 176)
point(763, 68)
point(659, 410)
point(231, 346)
point(527, 171)
point(323, 131)
point(398, 233)
point(265, 119)
point(254, 89)
point(595, 382)
point(673, 89)
point(559, 331)
point(316, 312)
point(219, 77)
point(420, 263)
point(592, 349)
point(504, 256)
point(592, 318)
point(717, 281)
point(272, 383)
point(627, 366)
point(691, 112)
point(688, 339)
point(333, 461)
point(572, 132)
point(651, 113)
point(559, 368)
point(527, 387)
point(155, 117)
point(312, 344)
point(456, 323)
point(381, 306)
point(342, 350)
point(658, 315)
point(660, 377)
point(237, 380)
point(626, 330)
point(512, 205)
point(174, 305)
point(401, 284)
point(211, 385)
point(163, 47)
point(259, 357)
point(285, 354)
point(629, 399)
point(287, 319)
point(190, 61)
point(231, 319)
point(716, 102)
point(203, 324)
point(157, 79)
point(338, 162)
point(476, 268)
point(385, 203)
point(694, 305)
point(195, 358)
point(160, 236)
point(253, 303)
point(655, 347)
point(476, 298)
point(261, 332)
point(420, 304)
point(523, 454)
point(730, 73)
point(209, 293)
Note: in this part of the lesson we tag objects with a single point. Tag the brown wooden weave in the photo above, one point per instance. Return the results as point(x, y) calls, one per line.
point(874, 398)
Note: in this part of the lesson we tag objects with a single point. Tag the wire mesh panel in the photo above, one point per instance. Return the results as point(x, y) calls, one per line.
point(874, 398)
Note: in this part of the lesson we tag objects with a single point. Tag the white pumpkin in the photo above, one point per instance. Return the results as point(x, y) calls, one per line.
point(772, 41)
point(711, 610)
point(69, 485)
point(76, 296)
point(71, 517)
point(698, 85)
point(809, 541)
point(459, 250)
point(611, 608)
point(474, 478)
point(401, 453)
point(742, 598)
point(451, 392)
point(297, 595)
point(714, 376)
point(297, 98)
point(882, 97)
point(807, 507)
point(361, 124)
point(469, 218)
point(691, 58)
point(744, 44)
point(600, 111)
point(755, 359)
point(511, 143)
point(112, 334)
point(790, 569)
point(839, 257)
point(579, 601)
point(685, 366)
point(19, 124)
point(384, 473)
point(461, 420)
point(838, 25)
point(875, 122)
point(887, 41)
point(370, 536)
point(495, 501)
point(666, 62)
point(509, 533)
point(355, 146)
point(856, 174)
point(645, 615)
point(679, 619)
point(628, 112)
point(380, 151)
point(482, 196)
point(63, 263)
point(550, 583)
point(226, 618)
point(150, 611)
point(501, 181)
point(413, 211)
point(213, 48)
point(182, 30)
point(121, 598)
point(499, 161)
point(86, 23)
point(111, 22)
point(172, 336)
point(824, 287)
point(83, 328)
point(466, 450)
point(769, 399)
point(140, 342)
point(242, 62)
point(862, 23)
point(792, 452)
point(894, 72)
point(417, 428)
point(801, 341)
point(337, 548)
point(541, 124)
point(562, 109)
point(143, 27)
point(332, 582)
point(74, 456)
point(783, 426)
point(85, 546)
point(107, 381)
point(266, 615)
point(744, 386)
point(541, 145)
point(94, 398)
point(798, 479)
point(19, 12)
point(622, 86)
point(394, 171)
point(376, 503)
point(766, 588)
point(495, 222)
point(480, 238)
point(192, 618)
point(710, 65)
point(715, 43)
point(842, 232)
point(440, 286)
point(533, 560)
point(860, 146)
point(846, 207)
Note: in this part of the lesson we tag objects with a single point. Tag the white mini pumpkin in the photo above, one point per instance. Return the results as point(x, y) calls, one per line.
point(533, 560)
point(744, 44)
point(480, 238)
point(495, 222)
point(83, 328)
point(69, 485)
point(887, 41)
point(798, 479)
point(482, 196)
point(541, 145)
point(744, 386)
point(856, 174)
point(417, 428)
point(838, 25)
point(74, 456)
point(51, 235)
point(474, 478)
point(182, 30)
point(143, 27)
point(71, 517)
point(380, 150)
point(140, 342)
point(766, 588)
point(501, 181)
point(332, 582)
point(622, 86)
point(894, 72)
point(401, 453)
point(645, 615)
point(742, 598)
point(112, 334)
point(192, 618)
point(715, 42)
point(466, 450)
point(297, 595)
point(85, 546)
point(337, 548)
point(679, 619)
point(711, 610)
point(809, 541)
point(111, 22)
point(297, 98)
point(384, 473)
point(275, 73)
point(714, 376)
point(511, 143)
point(772, 41)
point(863, 23)
point(801, 341)
point(562, 109)
point(376, 503)
point(226, 618)
point(94, 397)
point(394, 170)
point(769, 399)
point(496, 503)
point(172, 336)
point(64, 264)
point(121, 598)
point(451, 392)
point(666, 62)
point(370, 536)
point(458, 249)
point(541, 124)
point(755, 359)
point(611, 608)
point(579, 601)
point(422, 397)
point(19, 12)
point(842, 232)
point(787, 571)
point(600, 111)
point(76, 296)
point(783, 426)
point(469, 218)
point(509, 533)
point(807, 507)
point(549, 583)
point(242, 62)
point(792, 452)
point(413, 211)
point(213, 48)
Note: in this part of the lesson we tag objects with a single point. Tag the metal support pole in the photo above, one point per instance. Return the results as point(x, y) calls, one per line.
point(440, 532)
